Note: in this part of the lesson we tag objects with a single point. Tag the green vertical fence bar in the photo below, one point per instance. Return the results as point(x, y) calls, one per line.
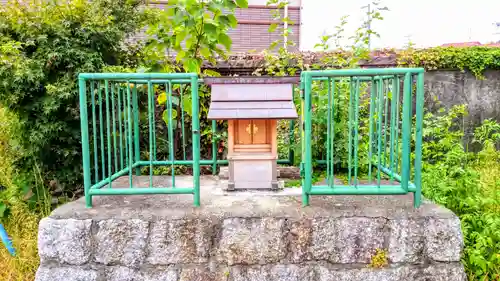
point(379, 128)
point(349, 127)
point(405, 162)
point(94, 133)
point(332, 141)
point(307, 138)
point(150, 129)
point(392, 127)
point(305, 197)
point(125, 124)
point(417, 199)
point(108, 131)
point(214, 147)
point(120, 126)
point(398, 103)
point(130, 142)
point(101, 132)
point(373, 93)
point(356, 136)
point(137, 148)
point(84, 127)
point(386, 115)
point(113, 111)
point(168, 90)
point(328, 131)
point(196, 139)
point(183, 132)
point(154, 121)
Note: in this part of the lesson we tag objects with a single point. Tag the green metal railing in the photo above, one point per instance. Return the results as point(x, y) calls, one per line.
point(122, 133)
point(116, 142)
point(375, 146)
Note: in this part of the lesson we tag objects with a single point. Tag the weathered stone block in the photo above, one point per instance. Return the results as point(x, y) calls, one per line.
point(252, 241)
point(345, 240)
point(406, 241)
point(72, 273)
point(66, 241)
point(365, 274)
point(120, 273)
point(197, 274)
point(433, 272)
point(121, 242)
point(180, 241)
point(160, 275)
point(288, 272)
point(443, 239)
point(299, 238)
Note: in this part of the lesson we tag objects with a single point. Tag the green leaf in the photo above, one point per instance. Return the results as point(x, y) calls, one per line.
point(242, 3)
point(164, 116)
point(210, 28)
point(192, 65)
point(212, 73)
point(179, 37)
point(189, 42)
point(225, 40)
point(180, 55)
point(3, 208)
point(233, 22)
point(272, 27)
point(205, 52)
point(186, 105)
point(162, 98)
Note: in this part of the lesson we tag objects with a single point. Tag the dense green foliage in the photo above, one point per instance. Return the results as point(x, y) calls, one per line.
point(44, 47)
point(474, 59)
point(468, 184)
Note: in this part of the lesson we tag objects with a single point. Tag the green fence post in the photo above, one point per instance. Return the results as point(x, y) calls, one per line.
point(84, 123)
point(214, 147)
point(406, 133)
point(418, 140)
point(196, 138)
point(308, 127)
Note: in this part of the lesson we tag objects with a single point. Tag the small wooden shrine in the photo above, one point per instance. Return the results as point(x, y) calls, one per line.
point(252, 106)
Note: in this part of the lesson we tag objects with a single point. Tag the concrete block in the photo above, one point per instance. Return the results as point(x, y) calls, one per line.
point(71, 273)
point(121, 242)
point(288, 272)
point(252, 241)
point(342, 240)
point(179, 241)
point(406, 240)
point(443, 239)
point(66, 241)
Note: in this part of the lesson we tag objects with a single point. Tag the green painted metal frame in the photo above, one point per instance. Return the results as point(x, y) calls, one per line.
point(123, 157)
point(383, 155)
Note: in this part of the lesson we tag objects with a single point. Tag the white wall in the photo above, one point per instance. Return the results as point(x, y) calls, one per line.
point(429, 22)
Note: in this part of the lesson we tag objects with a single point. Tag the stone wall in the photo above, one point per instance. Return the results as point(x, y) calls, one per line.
point(449, 88)
point(249, 237)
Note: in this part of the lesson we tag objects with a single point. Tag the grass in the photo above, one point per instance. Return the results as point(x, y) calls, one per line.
point(23, 215)
point(22, 227)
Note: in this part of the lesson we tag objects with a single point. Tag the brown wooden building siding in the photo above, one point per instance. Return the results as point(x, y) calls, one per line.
point(252, 31)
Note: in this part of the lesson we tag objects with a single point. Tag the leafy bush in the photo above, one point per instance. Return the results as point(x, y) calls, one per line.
point(468, 184)
point(44, 45)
